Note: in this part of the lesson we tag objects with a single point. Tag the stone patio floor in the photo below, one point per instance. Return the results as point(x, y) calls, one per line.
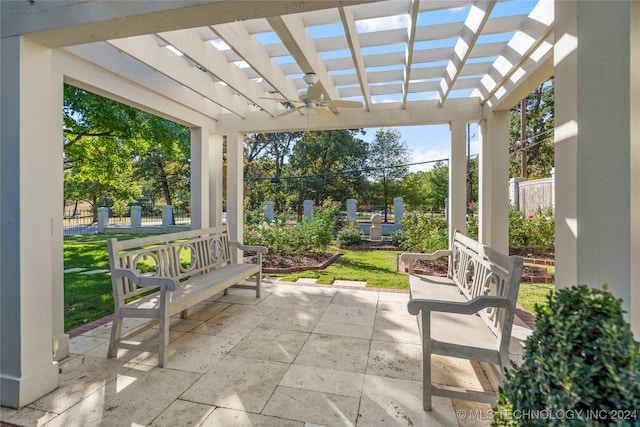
point(301, 355)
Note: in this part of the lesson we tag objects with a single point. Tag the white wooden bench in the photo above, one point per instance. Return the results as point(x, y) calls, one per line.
point(157, 277)
point(468, 314)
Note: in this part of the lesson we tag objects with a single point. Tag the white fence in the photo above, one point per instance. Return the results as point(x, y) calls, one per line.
point(528, 196)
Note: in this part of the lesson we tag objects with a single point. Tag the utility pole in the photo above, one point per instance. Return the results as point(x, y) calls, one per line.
point(469, 183)
point(523, 137)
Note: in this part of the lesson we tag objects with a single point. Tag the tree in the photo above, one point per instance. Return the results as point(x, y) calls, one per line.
point(161, 156)
point(101, 169)
point(265, 160)
point(106, 141)
point(328, 164)
point(438, 188)
point(87, 115)
point(414, 190)
point(538, 141)
point(387, 159)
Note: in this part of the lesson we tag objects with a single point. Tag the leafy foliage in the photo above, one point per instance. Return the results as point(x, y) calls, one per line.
point(116, 152)
point(305, 236)
point(535, 234)
point(320, 160)
point(423, 233)
point(349, 235)
point(538, 141)
point(387, 159)
point(581, 358)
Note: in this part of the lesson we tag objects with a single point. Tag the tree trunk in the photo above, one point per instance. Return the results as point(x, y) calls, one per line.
point(164, 183)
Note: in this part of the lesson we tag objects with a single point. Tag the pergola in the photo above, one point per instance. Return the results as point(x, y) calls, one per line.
point(227, 68)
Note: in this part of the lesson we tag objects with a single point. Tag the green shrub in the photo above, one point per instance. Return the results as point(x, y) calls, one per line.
point(399, 239)
point(580, 365)
point(349, 236)
point(425, 232)
point(284, 239)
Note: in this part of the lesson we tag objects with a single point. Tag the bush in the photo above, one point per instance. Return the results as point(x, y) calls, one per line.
point(284, 239)
point(425, 232)
point(349, 236)
point(581, 363)
point(399, 239)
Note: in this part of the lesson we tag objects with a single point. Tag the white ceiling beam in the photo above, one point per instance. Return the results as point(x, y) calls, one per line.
point(476, 20)
point(72, 22)
point(390, 114)
point(88, 76)
point(351, 32)
point(516, 91)
point(109, 58)
point(536, 30)
point(408, 56)
point(236, 36)
point(300, 45)
point(204, 54)
point(146, 50)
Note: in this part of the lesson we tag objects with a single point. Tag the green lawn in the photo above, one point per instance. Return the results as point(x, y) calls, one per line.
point(89, 297)
point(378, 268)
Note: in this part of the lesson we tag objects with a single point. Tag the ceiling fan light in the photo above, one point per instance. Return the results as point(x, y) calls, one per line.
point(310, 79)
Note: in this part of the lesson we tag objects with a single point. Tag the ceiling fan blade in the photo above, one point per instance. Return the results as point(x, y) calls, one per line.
point(293, 110)
point(344, 104)
point(314, 92)
point(325, 113)
point(281, 100)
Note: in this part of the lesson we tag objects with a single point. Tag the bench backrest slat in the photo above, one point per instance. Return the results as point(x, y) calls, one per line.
point(177, 255)
point(480, 270)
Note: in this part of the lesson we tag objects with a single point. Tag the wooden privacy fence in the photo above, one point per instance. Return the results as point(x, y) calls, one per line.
point(528, 196)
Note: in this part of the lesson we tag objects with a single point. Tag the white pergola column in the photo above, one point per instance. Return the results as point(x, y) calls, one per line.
point(200, 174)
point(30, 112)
point(493, 181)
point(457, 178)
point(57, 223)
point(597, 153)
point(235, 187)
point(215, 179)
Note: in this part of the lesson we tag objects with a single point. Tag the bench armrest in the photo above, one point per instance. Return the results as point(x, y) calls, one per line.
point(470, 307)
point(410, 257)
point(413, 256)
point(259, 250)
point(162, 282)
point(250, 248)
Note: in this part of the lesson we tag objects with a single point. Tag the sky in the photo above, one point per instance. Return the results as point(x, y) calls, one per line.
point(427, 143)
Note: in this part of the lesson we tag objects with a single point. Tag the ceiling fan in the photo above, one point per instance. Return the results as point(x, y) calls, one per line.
point(313, 99)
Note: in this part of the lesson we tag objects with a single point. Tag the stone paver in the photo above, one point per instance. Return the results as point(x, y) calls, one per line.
point(300, 356)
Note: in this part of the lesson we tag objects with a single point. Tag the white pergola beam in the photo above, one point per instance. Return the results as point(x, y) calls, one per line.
point(536, 29)
point(146, 50)
point(300, 45)
point(408, 60)
point(56, 24)
point(236, 36)
point(351, 32)
point(204, 54)
point(391, 114)
point(476, 20)
point(111, 84)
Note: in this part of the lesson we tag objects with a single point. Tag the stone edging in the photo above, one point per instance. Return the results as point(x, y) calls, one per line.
point(542, 278)
point(286, 270)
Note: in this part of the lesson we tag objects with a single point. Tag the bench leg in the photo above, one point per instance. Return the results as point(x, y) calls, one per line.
point(258, 283)
point(183, 313)
point(116, 332)
point(163, 340)
point(426, 360)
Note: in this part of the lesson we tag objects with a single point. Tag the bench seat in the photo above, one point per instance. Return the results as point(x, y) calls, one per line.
point(468, 314)
point(158, 277)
